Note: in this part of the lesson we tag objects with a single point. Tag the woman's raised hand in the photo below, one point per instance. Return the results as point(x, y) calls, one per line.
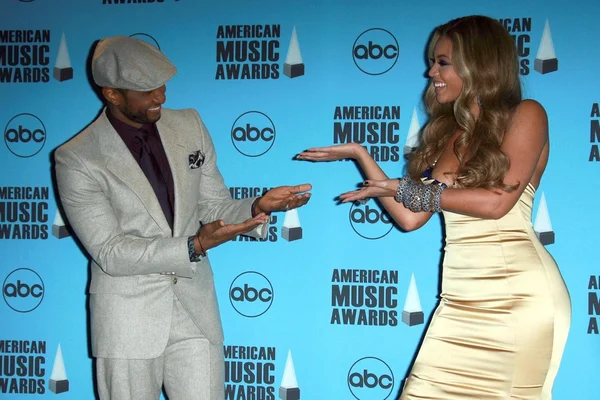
point(331, 153)
point(371, 188)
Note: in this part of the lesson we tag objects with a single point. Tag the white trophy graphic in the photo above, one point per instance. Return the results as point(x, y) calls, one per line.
point(62, 68)
point(412, 314)
point(293, 66)
point(288, 390)
point(412, 139)
point(58, 380)
point(546, 61)
point(291, 226)
point(59, 229)
point(542, 225)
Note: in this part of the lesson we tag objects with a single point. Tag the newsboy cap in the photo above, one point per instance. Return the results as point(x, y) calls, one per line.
point(123, 62)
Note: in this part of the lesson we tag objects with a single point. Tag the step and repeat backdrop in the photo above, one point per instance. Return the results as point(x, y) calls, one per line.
point(334, 302)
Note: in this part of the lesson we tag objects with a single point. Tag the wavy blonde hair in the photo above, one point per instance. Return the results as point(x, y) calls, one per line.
point(485, 57)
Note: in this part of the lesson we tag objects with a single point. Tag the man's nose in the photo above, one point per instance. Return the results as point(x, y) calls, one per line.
point(160, 94)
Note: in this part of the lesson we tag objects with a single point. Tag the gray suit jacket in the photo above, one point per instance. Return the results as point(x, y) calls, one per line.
point(115, 214)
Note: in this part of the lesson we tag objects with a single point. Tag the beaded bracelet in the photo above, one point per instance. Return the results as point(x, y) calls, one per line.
point(202, 251)
point(194, 257)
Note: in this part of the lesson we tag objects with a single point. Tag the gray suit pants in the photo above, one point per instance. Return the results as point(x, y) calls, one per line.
point(190, 368)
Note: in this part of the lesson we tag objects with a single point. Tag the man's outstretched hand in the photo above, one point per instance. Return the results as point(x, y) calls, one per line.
point(218, 232)
point(283, 198)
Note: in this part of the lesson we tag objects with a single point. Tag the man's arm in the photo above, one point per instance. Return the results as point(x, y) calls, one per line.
point(214, 198)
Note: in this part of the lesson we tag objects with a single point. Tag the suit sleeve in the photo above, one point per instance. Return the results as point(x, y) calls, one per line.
point(90, 214)
point(214, 200)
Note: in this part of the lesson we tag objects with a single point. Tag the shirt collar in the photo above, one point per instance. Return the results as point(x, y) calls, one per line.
point(124, 129)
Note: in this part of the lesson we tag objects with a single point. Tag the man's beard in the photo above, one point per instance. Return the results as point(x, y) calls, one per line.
point(140, 117)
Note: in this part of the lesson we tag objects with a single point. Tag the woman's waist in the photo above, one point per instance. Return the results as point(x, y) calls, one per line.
point(481, 239)
point(499, 272)
point(516, 251)
point(514, 222)
point(487, 232)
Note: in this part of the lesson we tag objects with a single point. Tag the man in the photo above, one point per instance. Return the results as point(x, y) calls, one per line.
point(142, 192)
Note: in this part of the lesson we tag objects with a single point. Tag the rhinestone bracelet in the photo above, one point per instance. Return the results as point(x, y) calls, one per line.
point(404, 182)
point(419, 197)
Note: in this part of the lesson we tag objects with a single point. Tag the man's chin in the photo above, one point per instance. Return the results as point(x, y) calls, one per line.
point(152, 117)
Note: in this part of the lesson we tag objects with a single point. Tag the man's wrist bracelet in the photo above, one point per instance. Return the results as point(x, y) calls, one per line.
point(194, 257)
point(202, 251)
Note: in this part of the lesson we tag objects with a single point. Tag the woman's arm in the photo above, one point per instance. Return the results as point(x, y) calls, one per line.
point(405, 218)
point(526, 145)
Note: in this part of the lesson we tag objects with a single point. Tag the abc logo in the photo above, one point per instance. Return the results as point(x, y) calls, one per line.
point(370, 379)
point(23, 290)
point(375, 51)
point(25, 135)
point(251, 294)
point(253, 133)
point(369, 221)
point(145, 37)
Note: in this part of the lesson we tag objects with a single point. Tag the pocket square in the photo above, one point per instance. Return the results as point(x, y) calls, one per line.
point(196, 159)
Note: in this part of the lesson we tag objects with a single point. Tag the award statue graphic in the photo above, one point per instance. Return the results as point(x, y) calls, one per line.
point(58, 380)
point(62, 68)
point(59, 228)
point(412, 139)
point(291, 226)
point(542, 225)
point(289, 385)
point(412, 314)
point(293, 67)
point(546, 60)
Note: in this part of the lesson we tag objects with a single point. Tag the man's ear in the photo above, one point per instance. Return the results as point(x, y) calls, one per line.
point(112, 95)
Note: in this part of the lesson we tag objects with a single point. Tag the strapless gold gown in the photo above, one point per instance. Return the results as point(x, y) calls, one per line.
point(503, 318)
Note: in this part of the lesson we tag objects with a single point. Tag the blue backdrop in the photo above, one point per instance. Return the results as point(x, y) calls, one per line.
point(329, 286)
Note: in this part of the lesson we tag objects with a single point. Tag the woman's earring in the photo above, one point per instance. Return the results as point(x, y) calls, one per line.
point(479, 103)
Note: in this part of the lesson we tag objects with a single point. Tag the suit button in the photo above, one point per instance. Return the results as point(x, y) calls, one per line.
point(175, 280)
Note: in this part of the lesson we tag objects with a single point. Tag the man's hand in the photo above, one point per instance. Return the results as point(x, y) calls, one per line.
point(218, 232)
point(283, 198)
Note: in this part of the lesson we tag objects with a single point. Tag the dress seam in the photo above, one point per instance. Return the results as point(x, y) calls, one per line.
point(512, 303)
point(528, 226)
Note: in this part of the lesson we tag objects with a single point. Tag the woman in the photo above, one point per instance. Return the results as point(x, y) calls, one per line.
point(503, 319)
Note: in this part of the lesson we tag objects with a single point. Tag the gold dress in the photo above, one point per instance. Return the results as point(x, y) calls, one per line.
point(503, 318)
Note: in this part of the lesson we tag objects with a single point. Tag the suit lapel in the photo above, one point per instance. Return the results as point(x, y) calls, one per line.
point(121, 163)
point(175, 151)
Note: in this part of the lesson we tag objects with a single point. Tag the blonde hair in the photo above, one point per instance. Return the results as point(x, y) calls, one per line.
point(485, 57)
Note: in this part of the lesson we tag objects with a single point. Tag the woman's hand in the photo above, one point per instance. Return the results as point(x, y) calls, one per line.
point(332, 153)
point(372, 188)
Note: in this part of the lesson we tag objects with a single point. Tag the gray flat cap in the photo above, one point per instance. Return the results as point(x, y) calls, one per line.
point(123, 62)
